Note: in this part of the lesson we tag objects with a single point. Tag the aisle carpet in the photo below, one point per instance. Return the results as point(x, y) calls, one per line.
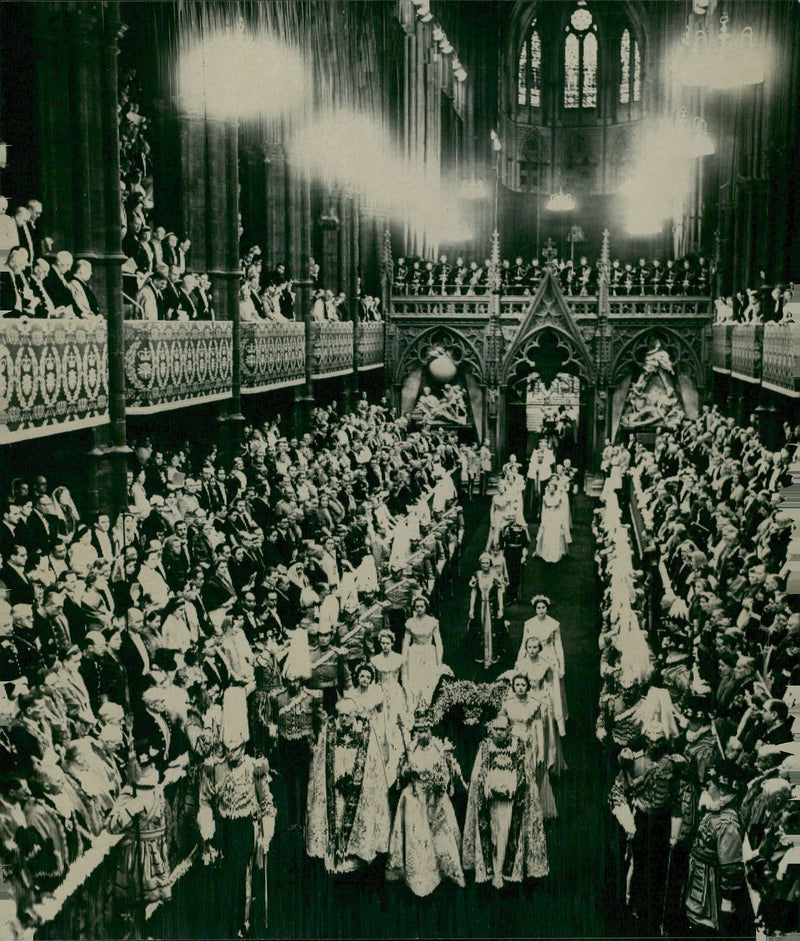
point(579, 898)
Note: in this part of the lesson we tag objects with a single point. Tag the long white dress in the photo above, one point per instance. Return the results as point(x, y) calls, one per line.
point(395, 708)
point(548, 630)
point(424, 847)
point(552, 539)
point(422, 668)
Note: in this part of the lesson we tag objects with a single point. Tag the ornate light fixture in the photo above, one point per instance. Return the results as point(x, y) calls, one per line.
point(719, 61)
point(560, 202)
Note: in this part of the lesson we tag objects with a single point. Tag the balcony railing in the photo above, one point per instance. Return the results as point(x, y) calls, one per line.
point(780, 365)
point(659, 306)
point(175, 364)
point(332, 349)
point(53, 376)
point(371, 345)
point(746, 345)
point(514, 306)
point(721, 334)
point(273, 355)
point(54, 373)
point(768, 354)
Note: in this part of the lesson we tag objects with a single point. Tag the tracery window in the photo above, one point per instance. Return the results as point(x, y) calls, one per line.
point(529, 84)
point(630, 60)
point(580, 59)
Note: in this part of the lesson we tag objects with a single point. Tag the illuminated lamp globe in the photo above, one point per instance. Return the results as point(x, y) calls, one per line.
point(442, 368)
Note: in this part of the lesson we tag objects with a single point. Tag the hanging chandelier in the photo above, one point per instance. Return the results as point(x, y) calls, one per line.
point(719, 61)
point(561, 202)
point(686, 138)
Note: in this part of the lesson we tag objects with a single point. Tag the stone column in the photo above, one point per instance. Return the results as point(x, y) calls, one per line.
point(80, 160)
point(329, 263)
point(277, 247)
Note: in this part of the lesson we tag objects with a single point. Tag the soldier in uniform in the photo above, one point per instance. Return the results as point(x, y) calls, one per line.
point(236, 819)
point(330, 675)
point(297, 717)
point(644, 799)
point(716, 870)
point(514, 541)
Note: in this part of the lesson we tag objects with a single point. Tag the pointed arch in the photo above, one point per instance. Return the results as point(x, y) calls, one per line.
point(461, 350)
point(683, 355)
point(548, 311)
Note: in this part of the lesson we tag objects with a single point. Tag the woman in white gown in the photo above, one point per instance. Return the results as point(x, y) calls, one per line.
point(553, 538)
point(422, 653)
point(526, 712)
point(388, 664)
point(548, 630)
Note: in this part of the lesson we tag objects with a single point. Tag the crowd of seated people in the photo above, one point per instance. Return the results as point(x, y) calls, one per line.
point(34, 280)
point(143, 647)
point(768, 303)
point(688, 276)
point(698, 712)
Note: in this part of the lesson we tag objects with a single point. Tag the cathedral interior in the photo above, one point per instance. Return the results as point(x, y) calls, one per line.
point(543, 250)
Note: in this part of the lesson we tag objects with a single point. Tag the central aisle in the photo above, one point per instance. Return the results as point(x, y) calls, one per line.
point(576, 900)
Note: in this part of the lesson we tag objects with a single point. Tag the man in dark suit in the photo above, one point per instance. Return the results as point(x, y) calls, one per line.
point(133, 654)
point(51, 626)
point(84, 298)
point(8, 529)
point(186, 305)
point(155, 472)
point(40, 530)
point(171, 293)
point(34, 208)
point(15, 578)
point(57, 281)
point(21, 218)
point(202, 298)
point(39, 273)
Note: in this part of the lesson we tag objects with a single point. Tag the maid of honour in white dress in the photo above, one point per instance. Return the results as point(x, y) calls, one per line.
point(553, 537)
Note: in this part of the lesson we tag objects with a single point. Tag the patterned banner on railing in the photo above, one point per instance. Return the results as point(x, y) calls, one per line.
point(332, 344)
point(176, 363)
point(721, 347)
point(781, 362)
point(53, 376)
point(371, 346)
point(746, 340)
point(273, 355)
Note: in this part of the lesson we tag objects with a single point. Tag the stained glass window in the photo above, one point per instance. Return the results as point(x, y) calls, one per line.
point(572, 71)
point(625, 67)
point(589, 96)
point(630, 60)
point(536, 69)
point(580, 59)
point(530, 69)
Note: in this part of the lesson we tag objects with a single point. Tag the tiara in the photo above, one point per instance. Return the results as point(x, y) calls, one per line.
point(537, 598)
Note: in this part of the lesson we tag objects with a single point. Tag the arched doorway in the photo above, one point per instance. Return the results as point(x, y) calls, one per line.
point(547, 377)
